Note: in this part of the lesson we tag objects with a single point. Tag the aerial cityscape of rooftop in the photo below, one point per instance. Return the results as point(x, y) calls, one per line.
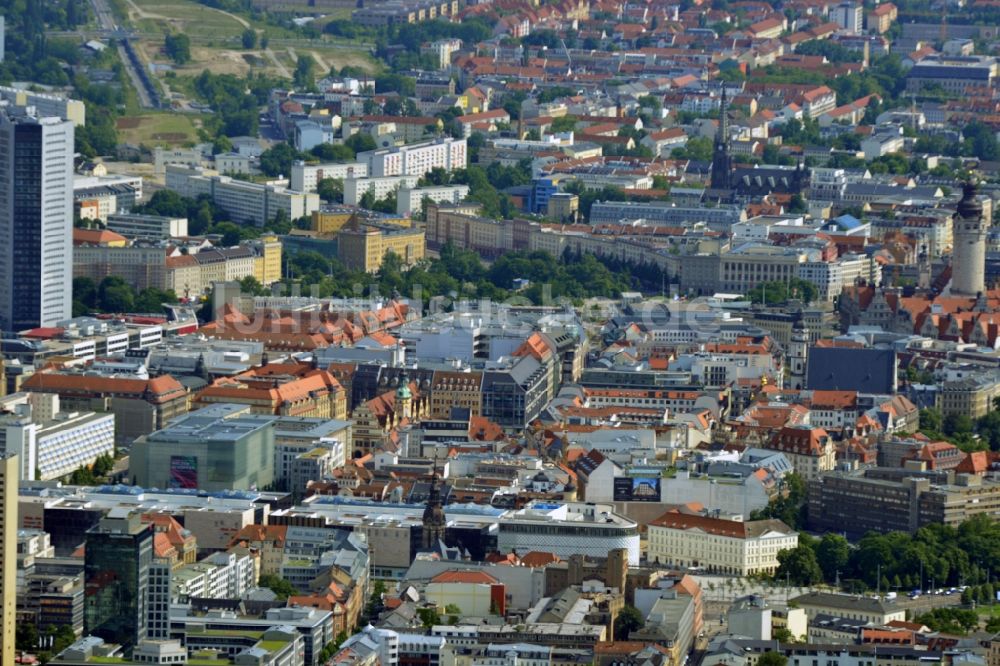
point(500, 332)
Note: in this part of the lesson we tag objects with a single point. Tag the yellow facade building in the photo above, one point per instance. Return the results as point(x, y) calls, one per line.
point(332, 219)
point(365, 247)
point(267, 260)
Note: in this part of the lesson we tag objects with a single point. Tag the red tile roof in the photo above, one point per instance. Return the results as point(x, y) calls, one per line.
point(155, 391)
point(469, 577)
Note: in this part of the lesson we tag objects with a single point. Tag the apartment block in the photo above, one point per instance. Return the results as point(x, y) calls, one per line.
point(488, 237)
point(141, 265)
point(416, 159)
point(403, 11)
point(246, 202)
point(379, 187)
point(150, 227)
point(411, 200)
point(147, 264)
point(305, 177)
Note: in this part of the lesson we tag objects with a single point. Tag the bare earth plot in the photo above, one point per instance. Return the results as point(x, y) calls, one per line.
point(158, 129)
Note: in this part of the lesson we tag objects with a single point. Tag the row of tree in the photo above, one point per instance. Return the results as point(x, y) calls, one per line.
point(114, 295)
point(933, 556)
point(782, 291)
point(459, 274)
point(968, 434)
point(92, 475)
point(29, 54)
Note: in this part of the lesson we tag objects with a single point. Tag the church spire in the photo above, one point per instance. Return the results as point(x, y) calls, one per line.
point(722, 161)
point(433, 519)
point(723, 136)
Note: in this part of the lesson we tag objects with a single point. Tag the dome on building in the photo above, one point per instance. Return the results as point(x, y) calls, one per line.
point(970, 207)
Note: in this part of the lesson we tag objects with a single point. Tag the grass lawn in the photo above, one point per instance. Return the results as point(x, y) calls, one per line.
point(158, 129)
point(993, 610)
point(199, 22)
point(192, 18)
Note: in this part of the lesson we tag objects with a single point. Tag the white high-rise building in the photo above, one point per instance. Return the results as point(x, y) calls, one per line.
point(416, 159)
point(849, 16)
point(36, 219)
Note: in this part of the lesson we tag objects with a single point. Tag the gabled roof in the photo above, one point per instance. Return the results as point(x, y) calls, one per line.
point(96, 237)
point(261, 533)
point(155, 391)
point(538, 558)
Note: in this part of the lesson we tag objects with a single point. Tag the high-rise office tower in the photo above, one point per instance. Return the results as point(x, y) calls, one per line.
point(117, 558)
point(9, 469)
point(36, 219)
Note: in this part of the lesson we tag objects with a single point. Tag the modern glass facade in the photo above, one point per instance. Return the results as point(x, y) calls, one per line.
point(117, 560)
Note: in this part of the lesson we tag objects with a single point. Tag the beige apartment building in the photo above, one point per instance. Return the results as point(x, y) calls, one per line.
point(810, 450)
point(455, 389)
point(972, 396)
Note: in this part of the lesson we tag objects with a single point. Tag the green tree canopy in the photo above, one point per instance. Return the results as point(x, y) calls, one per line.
point(278, 585)
point(628, 620)
point(772, 658)
point(799, 565)
point(178, 47)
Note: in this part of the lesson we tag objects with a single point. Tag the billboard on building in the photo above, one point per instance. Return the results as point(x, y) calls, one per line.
point(637, 489)
point(183, 472)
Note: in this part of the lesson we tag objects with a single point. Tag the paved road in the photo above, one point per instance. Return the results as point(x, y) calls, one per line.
point(106, 19)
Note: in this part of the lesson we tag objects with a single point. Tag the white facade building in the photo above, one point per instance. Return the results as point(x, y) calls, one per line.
point(719, 545)
point(225, 575)
point(380, 187)
point(152, 227)
point(305, 177)
point(411, 200)
point(246, 202)
point(416, 159)
point(568, 528)
point(849, 16)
